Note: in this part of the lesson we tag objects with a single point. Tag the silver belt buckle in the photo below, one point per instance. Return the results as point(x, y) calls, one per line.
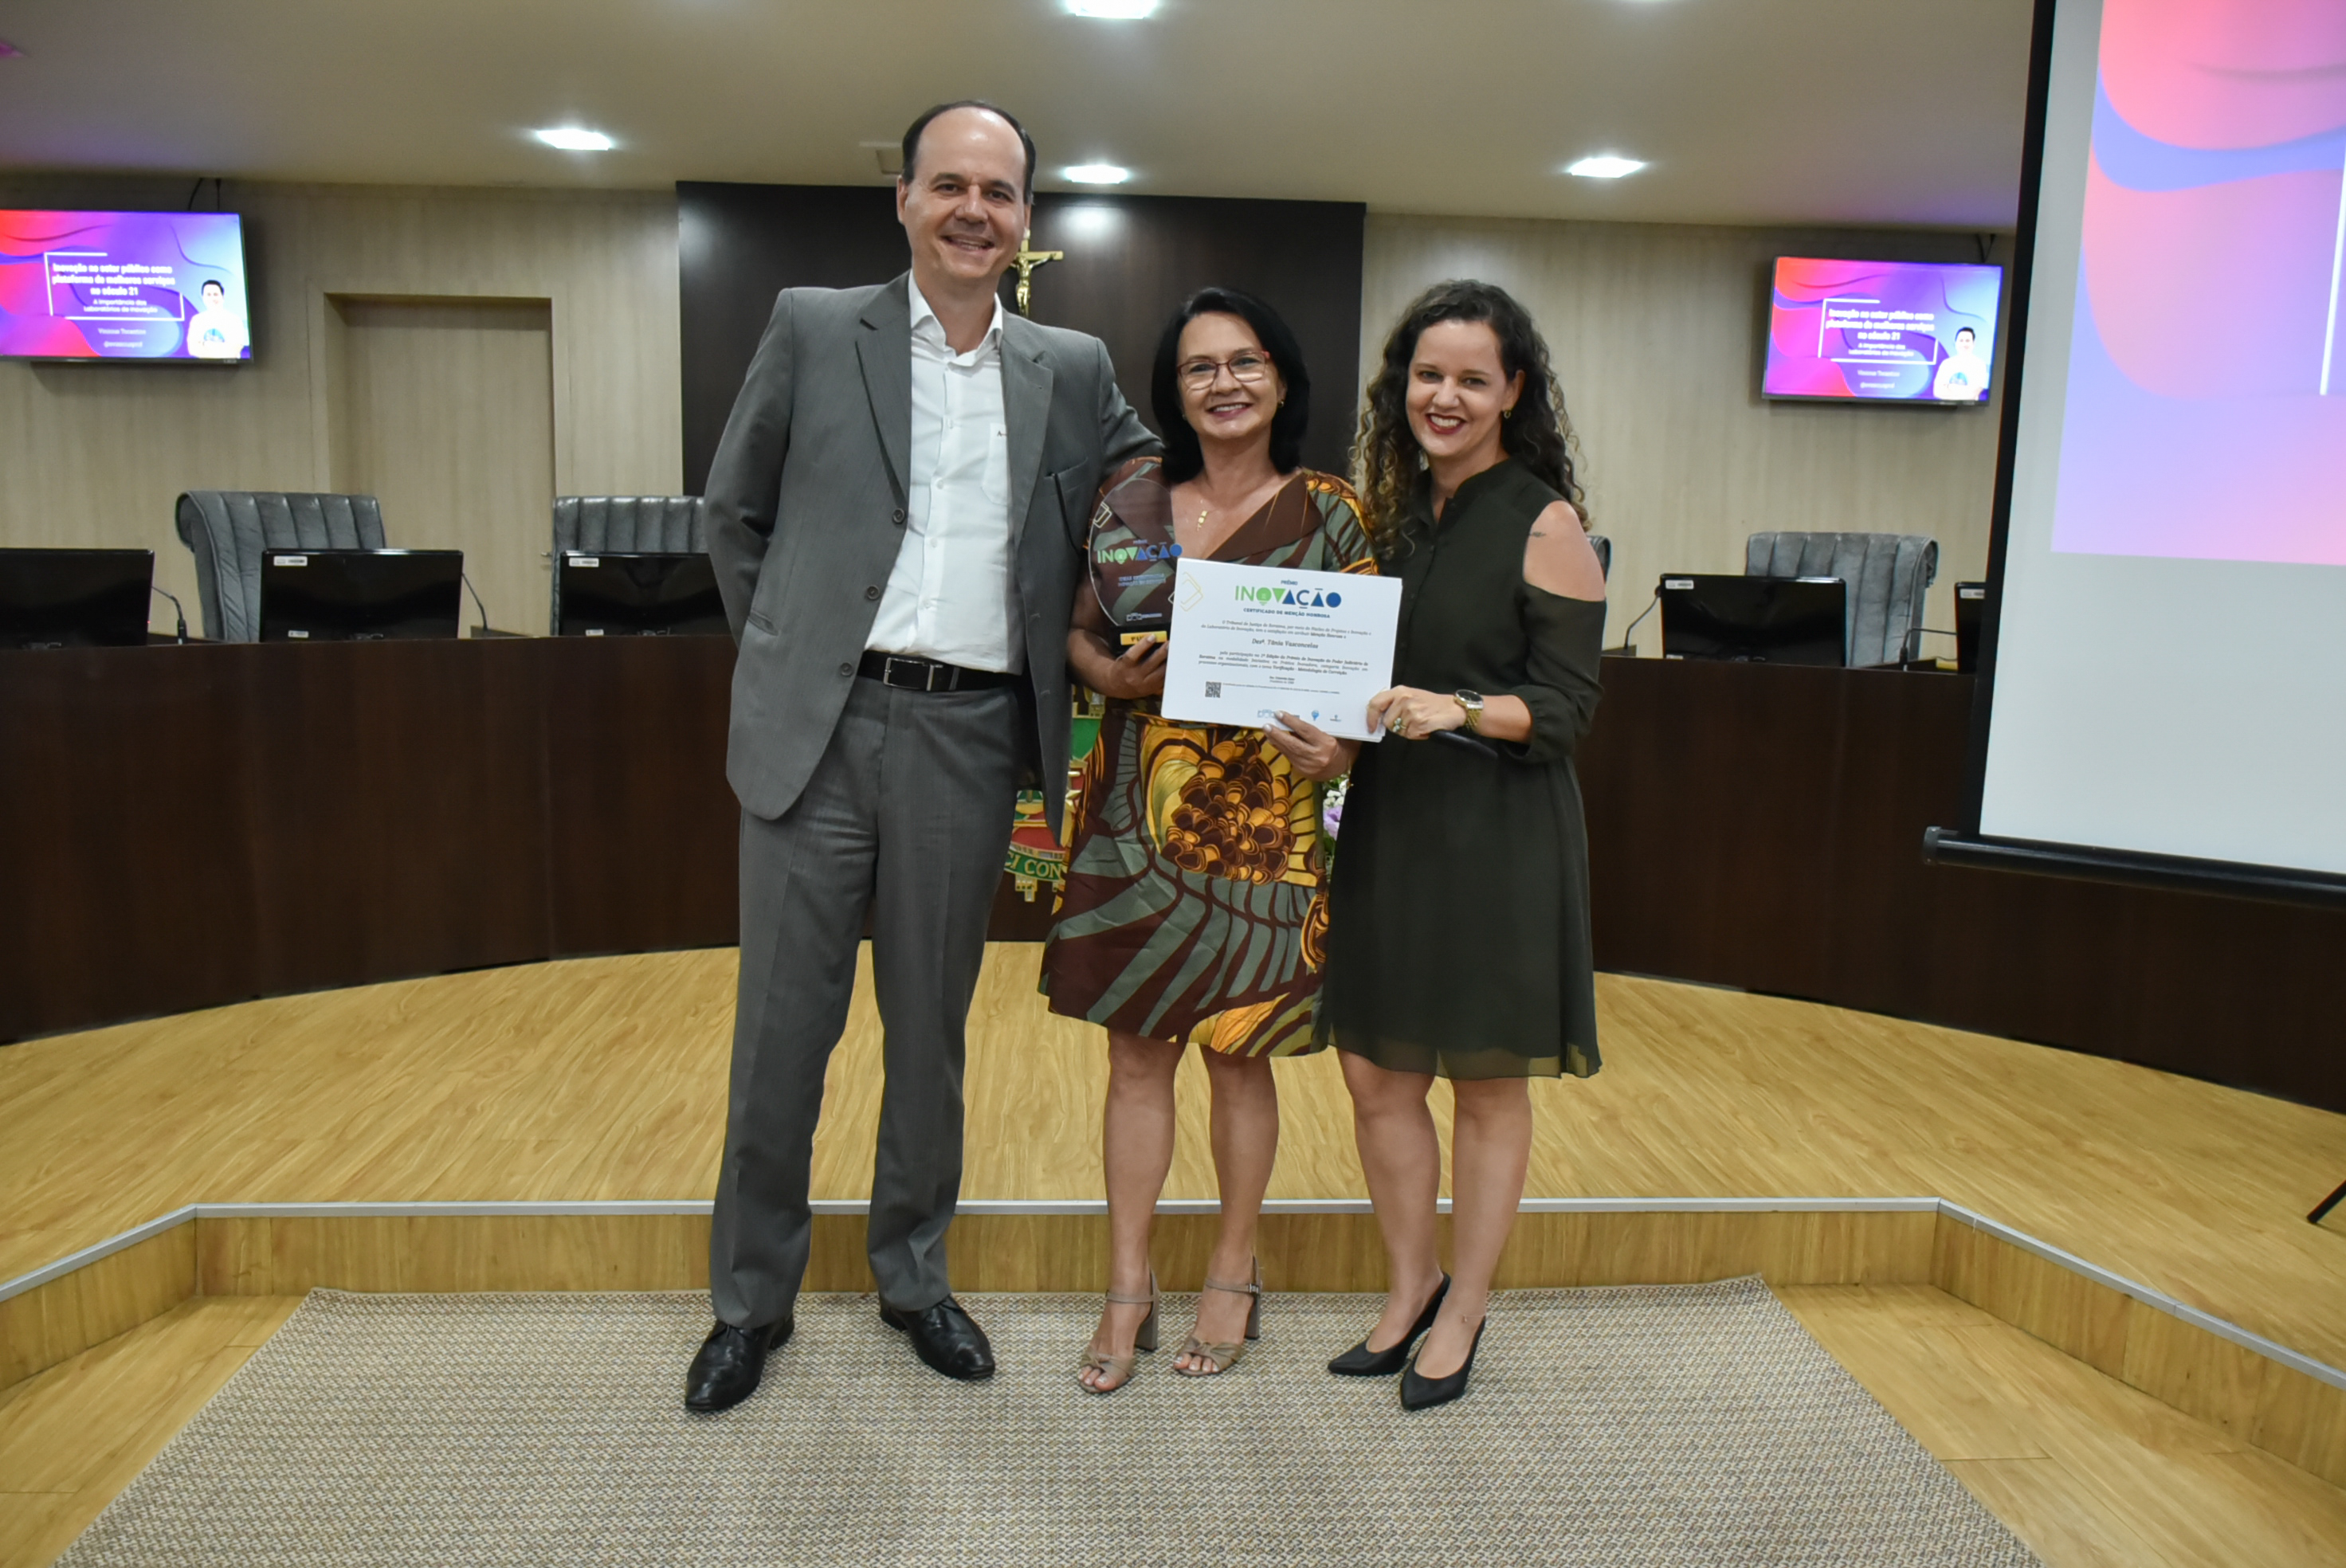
point(888, 673)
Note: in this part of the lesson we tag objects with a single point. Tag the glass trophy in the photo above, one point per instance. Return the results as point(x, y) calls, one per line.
point(1133, 554)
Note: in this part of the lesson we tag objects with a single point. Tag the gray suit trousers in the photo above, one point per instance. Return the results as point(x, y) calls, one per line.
point(907, 817)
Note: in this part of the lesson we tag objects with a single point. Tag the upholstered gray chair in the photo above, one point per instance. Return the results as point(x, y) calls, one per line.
point(1887, 574)
point(626, 524)
point(229, 529)
point(1604, 548)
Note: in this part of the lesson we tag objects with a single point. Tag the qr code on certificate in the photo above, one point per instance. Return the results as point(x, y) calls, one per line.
point(1213, 689)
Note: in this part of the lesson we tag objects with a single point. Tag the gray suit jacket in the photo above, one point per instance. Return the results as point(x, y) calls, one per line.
point(805, 513)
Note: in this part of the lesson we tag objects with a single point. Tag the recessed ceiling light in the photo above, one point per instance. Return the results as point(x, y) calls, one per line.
point(570, 139)
point(1095, 174)
point(1112, 10)
point(1605, 167)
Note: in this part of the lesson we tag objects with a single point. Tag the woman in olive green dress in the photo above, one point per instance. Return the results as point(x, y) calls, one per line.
point(1194, 909)
point(1458, 941)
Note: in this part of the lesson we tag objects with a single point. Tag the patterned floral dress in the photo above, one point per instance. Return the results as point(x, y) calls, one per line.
point(1196, 902)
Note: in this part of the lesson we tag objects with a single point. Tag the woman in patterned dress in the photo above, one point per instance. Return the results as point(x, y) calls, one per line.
point(1195, 909)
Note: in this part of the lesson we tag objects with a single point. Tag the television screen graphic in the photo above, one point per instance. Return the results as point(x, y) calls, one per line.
point(1898, 331)
point(123, 286)
point(2207, 299)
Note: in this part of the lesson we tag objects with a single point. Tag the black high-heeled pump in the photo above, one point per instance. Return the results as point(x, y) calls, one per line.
point(1419, 1394)
point(1359, 1361)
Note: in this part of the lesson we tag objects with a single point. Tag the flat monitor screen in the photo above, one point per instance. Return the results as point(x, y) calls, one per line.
point(123, 286)
point(74, 598)
point(1755, 620)
point(1881, 331)
point(637, 594)
point(359, 595)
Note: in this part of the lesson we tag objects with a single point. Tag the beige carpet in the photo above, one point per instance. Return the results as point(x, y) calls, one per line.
point(1680, 1425)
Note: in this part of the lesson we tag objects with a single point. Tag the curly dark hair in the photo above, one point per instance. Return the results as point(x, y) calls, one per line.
point(1183, 459)
point(1537, 434)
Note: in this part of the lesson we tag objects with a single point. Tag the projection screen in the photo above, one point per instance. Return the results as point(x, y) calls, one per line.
point(2165, 671)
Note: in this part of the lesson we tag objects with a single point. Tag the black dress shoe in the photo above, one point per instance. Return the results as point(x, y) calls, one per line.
point(946, 1338)
point(1359, 1361)
point(730, 1362)
point(1423, 1393)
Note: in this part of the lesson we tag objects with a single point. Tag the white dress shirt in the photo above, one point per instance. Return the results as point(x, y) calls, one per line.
point(951, 596)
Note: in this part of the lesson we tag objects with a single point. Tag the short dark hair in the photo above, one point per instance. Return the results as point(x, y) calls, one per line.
point(913, 137)
point(1961, 331)
point(214, 283)
point(1184, 459)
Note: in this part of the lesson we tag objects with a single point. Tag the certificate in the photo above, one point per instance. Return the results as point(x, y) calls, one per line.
point(1249, 643)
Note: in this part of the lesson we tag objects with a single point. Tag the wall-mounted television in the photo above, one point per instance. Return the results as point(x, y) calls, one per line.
point(1881, 331)
point(123, 286)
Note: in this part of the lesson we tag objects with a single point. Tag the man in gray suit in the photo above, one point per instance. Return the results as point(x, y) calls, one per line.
point(896, 515)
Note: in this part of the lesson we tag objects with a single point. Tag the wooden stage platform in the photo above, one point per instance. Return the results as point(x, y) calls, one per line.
point(2084, 1398)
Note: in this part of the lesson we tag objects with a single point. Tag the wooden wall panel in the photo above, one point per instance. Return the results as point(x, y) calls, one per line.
point(2063, 1308)
point(1029, 1252)
point(94, 1303)
point(94, 455)
point(290, 1256)
point(2255, 1399)
point(1761, 827)
point(1129, 260)
point(1656, 332)
point(1789, 1248)
point(443, 410)
point(643, 834)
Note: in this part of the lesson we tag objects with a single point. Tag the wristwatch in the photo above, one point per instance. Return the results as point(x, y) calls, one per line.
point(1472, 702)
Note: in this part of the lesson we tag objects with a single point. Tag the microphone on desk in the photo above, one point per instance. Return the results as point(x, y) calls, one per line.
point(1913, 647)
point(178, 608)
point(1627, 647)
point(468, 580)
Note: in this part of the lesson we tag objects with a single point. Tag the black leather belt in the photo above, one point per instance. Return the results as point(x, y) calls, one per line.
point(909, 672)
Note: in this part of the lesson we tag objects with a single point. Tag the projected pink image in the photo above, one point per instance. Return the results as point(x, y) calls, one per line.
point(2207, 408)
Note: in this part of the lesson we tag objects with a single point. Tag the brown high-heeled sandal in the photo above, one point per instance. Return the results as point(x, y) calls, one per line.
point(1120, 1368)
point(1221, 1358)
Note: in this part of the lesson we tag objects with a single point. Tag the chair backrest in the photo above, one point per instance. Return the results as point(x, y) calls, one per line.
point(1887, 574)
point(668, 524)
point(229, 529)
point(623, 524)
point(1604, 548)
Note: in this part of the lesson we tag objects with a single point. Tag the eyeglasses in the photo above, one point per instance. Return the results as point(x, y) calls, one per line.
point(1245, 369)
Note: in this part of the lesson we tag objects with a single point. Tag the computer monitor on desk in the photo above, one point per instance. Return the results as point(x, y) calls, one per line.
point(359, 595)
point(1755, 620)
point(75, 599)
point(636, 594)
point(1970, 602)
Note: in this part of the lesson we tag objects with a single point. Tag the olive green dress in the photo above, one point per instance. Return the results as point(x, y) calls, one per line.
point(1458, 934)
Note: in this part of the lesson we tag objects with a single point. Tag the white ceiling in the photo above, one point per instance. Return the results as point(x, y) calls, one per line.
point(1837, 111)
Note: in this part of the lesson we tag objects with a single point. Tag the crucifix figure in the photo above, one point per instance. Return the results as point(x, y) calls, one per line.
point(1026, 260)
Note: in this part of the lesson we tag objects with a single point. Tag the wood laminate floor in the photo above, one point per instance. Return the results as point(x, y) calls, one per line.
point(605, 1078)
